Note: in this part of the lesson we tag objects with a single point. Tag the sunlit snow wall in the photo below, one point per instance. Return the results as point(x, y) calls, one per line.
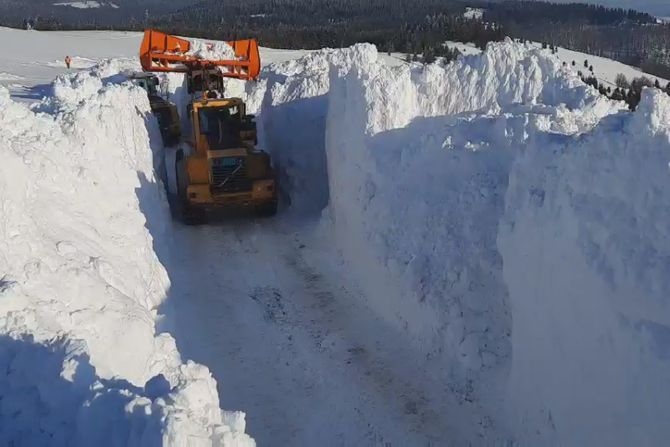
point(496, 214)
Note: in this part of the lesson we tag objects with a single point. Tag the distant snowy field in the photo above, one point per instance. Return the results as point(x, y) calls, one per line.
point(38, 57)
point(87, 4)
point(474, 253)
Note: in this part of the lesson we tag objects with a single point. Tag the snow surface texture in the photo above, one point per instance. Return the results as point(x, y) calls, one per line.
point(80, 283)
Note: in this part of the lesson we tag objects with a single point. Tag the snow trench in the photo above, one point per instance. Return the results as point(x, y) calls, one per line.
point(80, 282)
point(504, 216)
point(392, 154)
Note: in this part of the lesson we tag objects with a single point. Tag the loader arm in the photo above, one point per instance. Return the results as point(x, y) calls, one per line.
point(161, 52)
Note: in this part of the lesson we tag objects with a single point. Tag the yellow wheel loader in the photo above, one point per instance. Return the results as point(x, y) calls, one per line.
point(164, 110)
point(218, 166)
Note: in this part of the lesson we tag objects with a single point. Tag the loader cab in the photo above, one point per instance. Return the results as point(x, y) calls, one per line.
point(220, 127)
point(222, 124)
point(205, 79)
point(226, 170)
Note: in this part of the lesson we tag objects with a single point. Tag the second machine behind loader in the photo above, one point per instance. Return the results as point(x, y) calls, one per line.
point(219, 167)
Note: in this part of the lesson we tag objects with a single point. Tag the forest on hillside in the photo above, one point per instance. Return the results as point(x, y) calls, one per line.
point(416, 27)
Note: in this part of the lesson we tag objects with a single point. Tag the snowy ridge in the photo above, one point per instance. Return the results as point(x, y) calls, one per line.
point(80, 282)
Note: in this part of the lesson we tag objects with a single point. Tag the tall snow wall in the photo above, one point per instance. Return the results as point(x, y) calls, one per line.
point(498, 214)
point(80, 282)
point(418, 165)
point(504, 216)
point(586, 255)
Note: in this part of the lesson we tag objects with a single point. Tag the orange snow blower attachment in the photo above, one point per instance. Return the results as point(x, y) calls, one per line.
point(162, 52)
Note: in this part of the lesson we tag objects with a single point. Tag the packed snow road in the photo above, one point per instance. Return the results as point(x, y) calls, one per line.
point(262, 306)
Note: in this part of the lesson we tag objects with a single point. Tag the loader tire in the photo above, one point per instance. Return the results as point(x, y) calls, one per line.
point(183, 210)
point(267, 209)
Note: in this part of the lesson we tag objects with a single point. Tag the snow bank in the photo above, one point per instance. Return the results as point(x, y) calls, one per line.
point(494, 211)
point(585, 245)
point(80, 282)
point(294, 95)
point(498, 196)
point(418, 161)
point(507, 78)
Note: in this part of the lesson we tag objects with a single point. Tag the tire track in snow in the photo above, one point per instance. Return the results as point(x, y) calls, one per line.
point(292, 347)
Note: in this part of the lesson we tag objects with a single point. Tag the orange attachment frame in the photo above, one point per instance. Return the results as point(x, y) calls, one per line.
point(162, 52)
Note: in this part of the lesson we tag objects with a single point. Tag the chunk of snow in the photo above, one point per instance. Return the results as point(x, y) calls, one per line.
point(211, 50)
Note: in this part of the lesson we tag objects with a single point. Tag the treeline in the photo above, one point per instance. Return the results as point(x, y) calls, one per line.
point(627, 36)
point(533, 13)
point(414, 27)
point(392, 25)
point(625, 90)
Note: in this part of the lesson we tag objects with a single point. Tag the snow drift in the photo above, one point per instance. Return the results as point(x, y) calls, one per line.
point(80, 282)
point(446, 186)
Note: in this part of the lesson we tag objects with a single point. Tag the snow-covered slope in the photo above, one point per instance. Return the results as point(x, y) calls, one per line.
point(606, 70)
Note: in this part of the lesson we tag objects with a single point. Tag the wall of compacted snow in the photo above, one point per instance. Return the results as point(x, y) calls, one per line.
point(497, 212)
point(405, 151)
point(504, 216)
point(418, 162)
point(586, 254)
point(80, 282)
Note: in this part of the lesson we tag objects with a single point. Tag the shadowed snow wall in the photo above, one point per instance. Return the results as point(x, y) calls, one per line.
point(502, 213)
point(586, 254)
